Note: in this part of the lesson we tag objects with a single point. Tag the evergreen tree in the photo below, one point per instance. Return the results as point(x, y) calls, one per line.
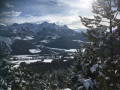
point(100, 62)
point(3, 65)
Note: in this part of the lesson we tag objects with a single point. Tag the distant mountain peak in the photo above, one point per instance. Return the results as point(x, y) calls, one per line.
point(34, 27)
point(45, 22)
point(15, 24)
point(32, 36)
point(65, 27)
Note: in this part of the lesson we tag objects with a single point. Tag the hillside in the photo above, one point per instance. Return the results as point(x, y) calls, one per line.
point(31, 36)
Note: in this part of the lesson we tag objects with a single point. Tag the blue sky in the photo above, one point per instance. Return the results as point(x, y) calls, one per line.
point(63, 12)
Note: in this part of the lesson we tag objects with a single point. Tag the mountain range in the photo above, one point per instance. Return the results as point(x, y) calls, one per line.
point(31, 36)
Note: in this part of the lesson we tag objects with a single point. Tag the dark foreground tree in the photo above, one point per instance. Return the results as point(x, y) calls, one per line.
point(4, 51)
point(100, 62)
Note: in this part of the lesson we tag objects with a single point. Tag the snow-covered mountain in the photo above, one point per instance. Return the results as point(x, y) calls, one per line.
point(29, 36)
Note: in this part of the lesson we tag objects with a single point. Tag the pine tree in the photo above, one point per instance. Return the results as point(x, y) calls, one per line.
point(3, 65)
point(100, 61)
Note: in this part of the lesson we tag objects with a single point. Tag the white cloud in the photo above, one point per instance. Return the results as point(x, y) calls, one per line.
point(8, 4)
point(62, 12)
point(11, 14)
point(72, 22)
point(84, 4)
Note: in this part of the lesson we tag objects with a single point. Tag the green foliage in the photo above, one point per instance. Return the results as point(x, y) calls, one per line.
point(100, 60)
point(3, 64)
point(21, 47)
point(24, 77)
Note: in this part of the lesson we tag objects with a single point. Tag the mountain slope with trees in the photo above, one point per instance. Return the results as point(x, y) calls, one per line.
point(42, 35)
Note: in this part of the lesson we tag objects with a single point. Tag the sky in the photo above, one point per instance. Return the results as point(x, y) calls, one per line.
point(61, 12)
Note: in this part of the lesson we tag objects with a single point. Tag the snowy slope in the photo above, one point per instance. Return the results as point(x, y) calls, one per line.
point(31, 35)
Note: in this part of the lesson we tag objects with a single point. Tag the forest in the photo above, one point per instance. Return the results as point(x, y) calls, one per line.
point(95, 68)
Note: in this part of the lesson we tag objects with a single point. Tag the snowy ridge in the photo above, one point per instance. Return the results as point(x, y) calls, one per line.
point(30, 36)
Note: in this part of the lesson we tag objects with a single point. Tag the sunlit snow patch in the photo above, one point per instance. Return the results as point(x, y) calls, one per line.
point(70, 50)
point(29, 38)
point(47, 60)
point(45, 41)
point(17, 63)
point(34, 50)
point(79, 41)
point(66, 89)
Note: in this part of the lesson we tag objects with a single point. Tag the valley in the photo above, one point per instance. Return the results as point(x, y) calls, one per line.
point(63, 56)
point(41, 45)
point(31, 36)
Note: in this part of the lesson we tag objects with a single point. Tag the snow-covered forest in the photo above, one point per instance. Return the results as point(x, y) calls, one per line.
point(95, 66)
